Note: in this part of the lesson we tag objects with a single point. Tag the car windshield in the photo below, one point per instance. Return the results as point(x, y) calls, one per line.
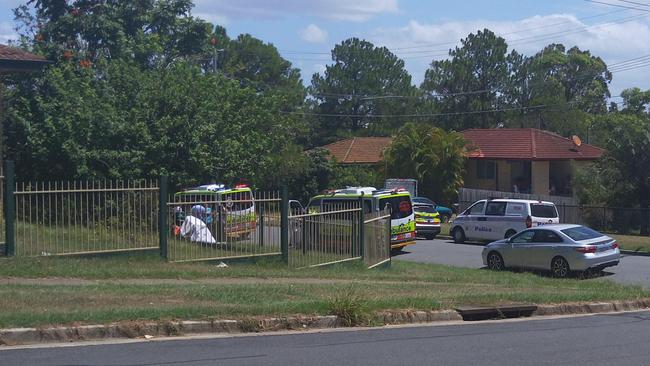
point(423, 200)
point(427, 209)
point(542, 210)
point(400, 206)
point(581, 233)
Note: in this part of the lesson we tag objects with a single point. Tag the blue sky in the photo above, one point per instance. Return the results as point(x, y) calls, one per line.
point(420, 31)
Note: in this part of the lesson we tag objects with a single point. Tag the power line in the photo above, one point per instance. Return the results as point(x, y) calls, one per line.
point(616, 5)
point(634, 3)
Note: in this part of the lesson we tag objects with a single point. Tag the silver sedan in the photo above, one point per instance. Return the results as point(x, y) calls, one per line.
point(562, 249)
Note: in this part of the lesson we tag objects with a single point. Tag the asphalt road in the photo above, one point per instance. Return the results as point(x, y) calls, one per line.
point(633, 270)
point(608, 339)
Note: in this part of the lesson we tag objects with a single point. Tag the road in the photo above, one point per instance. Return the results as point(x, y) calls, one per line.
point(633, 270)
point(606, 339)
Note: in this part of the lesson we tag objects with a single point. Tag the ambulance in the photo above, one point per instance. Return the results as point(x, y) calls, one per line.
point(402, 224)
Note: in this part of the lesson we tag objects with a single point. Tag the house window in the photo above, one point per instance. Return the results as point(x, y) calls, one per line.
point(486, 169)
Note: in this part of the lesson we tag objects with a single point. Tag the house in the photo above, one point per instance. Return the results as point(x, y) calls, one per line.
point(525, 160)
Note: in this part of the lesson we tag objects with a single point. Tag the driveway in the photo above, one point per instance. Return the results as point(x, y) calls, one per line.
point(633, 270)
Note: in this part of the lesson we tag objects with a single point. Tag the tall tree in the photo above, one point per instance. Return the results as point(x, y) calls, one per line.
point(622, 177)
point(470, 81)
point(364, 83)
point(636, 101)
point(150, 32)
point(557, 89)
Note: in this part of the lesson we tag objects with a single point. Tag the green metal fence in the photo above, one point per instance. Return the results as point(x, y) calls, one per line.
point(376, 239)
point(332, 235)
point(78, 217)
point(90, 217)
point(202, 228)
point(2, 211)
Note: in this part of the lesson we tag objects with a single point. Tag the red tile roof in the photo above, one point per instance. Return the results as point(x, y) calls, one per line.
point(526, 144)
point(359, 150)
point(16, 54)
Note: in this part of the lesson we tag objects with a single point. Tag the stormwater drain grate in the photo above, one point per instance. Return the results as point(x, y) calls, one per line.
point(473, 313)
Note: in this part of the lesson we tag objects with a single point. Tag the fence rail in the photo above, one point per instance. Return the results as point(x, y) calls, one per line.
point(326, 237)
point(376, 238)
point(76, 217)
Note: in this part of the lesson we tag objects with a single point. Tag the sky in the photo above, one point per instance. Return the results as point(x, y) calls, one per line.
point(421, 31)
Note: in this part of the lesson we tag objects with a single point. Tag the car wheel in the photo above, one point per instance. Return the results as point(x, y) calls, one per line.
point(509, 233)
point(560, 267)
point(459, 235)
point(495, 261)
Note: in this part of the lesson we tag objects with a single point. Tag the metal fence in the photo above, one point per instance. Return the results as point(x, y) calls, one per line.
point(211, 228)
point(89, 217)
point(2, 211)
point(467, 196)
point(619, 220)
point(376, 238)
point(329, 236)
point(615, 220)
point(59, 218)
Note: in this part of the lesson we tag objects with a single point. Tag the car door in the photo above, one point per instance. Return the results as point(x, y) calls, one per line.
point(544, 247)
point(471, 220)
point(518, 253)
point(492, 224)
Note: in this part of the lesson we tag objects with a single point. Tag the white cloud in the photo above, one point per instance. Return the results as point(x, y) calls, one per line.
point(215, 19)
point(313, 34)
point(420, 43)
point(358, 11)
point(7, 32)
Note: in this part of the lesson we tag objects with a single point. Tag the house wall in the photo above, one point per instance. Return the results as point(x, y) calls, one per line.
point(472, 180)
point(505, 176)
point(540, 177)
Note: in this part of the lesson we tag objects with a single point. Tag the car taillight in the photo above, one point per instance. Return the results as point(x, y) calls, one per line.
point(529, 222)
point(614, 245)
point(587, 249)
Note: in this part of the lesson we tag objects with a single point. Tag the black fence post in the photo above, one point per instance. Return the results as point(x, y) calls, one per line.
point(284, 225)
point(362, 221)
point(163, 225)
point(9, 207)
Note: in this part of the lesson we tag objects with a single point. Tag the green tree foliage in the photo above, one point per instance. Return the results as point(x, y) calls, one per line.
point(562, 88)
point(636, 101)
point(150, 32)
point(470, 81)
point(434, 157)
point(622, 177)
point(358, 86)
point(130, 123)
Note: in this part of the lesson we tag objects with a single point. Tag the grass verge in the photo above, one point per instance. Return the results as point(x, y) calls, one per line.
point(142, 287)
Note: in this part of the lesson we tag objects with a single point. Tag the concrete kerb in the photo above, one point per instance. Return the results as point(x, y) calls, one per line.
point(147, 330)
